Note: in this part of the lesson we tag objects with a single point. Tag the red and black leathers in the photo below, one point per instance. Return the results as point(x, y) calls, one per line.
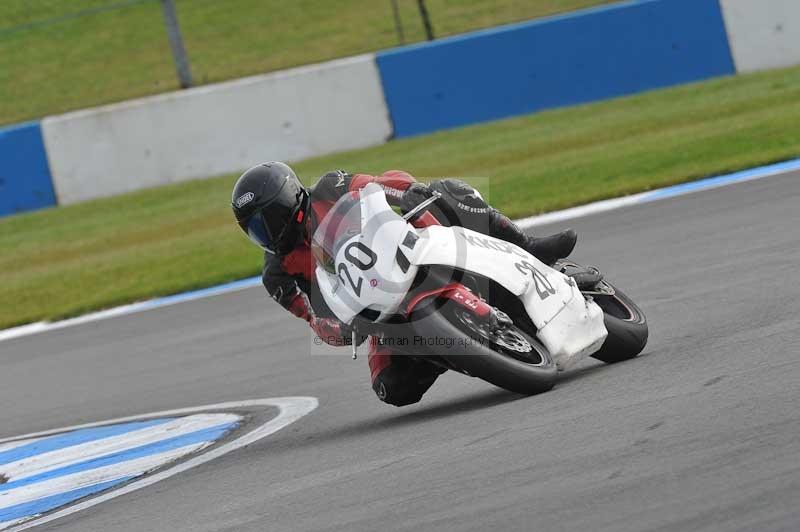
point(396, 379)
point(288, 278)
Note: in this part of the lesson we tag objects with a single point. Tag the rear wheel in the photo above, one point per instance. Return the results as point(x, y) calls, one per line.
point(504, 356)
point(626, 325)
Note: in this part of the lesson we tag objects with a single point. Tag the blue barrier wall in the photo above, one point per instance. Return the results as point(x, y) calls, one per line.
point(25, 182)
point(586, 56)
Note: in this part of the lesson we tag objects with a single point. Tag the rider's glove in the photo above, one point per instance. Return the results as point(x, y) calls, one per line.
point(329, 331)
point(333, 332)
point(414, 195)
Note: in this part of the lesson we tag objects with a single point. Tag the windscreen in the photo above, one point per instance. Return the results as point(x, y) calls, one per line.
point(341, 223)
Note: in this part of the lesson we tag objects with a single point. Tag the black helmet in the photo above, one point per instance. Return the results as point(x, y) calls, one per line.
point(270, 204)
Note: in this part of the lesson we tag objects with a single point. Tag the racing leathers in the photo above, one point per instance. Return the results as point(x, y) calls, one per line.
point(289, 278)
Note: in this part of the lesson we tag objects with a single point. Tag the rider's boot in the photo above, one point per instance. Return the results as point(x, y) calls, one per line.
point(547, 249)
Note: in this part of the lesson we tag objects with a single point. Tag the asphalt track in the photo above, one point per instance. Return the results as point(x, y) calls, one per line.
point(701, 432)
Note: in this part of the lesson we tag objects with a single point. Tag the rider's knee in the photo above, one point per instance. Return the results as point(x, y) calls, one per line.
point(396, 395)
point(457, 189)
point(404, 382)
point(461, 205)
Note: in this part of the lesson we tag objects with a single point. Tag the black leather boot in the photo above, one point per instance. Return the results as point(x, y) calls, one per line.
point(547, 249)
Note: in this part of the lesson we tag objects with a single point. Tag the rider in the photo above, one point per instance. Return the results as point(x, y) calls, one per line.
point(280, 215)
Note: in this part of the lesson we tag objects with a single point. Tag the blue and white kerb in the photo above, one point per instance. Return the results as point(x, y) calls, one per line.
point(43, 473)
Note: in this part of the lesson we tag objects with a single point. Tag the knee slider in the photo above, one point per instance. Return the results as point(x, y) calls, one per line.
point(396, 392)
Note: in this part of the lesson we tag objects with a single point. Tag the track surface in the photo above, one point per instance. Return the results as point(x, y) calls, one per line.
point(699, 433)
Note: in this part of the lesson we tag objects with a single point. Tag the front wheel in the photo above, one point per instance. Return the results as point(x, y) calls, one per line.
point(506, 357)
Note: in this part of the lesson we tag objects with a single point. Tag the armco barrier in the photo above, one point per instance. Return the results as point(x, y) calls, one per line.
point(24, 174)
point(581, 57)
point(764, 33)
point(217, 129)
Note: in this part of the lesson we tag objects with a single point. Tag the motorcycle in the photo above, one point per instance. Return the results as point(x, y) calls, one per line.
point(465, 301)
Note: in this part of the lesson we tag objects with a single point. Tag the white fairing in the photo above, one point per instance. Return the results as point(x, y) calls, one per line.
point(383, 285)
point(569, 326)
point(369, 276)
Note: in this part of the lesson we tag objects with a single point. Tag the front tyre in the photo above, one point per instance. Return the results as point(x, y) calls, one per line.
point(626, 325)
point(507, 357)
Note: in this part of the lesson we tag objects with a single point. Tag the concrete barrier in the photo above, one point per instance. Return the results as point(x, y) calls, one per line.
point(216, 129)
point(585, 56)
point(25, 182)
point(763, 34)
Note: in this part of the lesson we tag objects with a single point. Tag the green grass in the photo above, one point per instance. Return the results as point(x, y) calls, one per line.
point(69, 260)
point(123, 53)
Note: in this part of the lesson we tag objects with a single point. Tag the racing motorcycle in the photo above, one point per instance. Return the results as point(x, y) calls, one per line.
point(465, 301)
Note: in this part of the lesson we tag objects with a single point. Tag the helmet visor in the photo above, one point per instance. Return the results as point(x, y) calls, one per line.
point(267, 231)
point(257, 231)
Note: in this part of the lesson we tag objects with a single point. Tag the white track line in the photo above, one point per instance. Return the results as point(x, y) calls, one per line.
point(659, 194)
point(290, 409)
point(40, 463)
point(5, 524)
point(581, 211)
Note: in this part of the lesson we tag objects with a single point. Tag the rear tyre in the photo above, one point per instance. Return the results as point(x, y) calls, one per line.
point(626, 325)
point(508, 358)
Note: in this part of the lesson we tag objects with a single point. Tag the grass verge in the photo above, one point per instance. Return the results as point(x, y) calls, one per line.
point(52, 61)
point(69, 260)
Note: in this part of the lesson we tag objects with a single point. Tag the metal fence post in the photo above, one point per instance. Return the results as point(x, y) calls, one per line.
point(398, 23)
point(426, 19)
point(176, 43)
